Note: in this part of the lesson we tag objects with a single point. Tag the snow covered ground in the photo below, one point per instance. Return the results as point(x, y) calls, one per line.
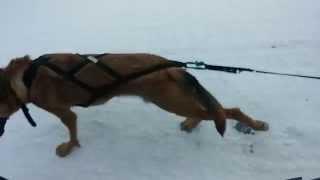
point(127, 139)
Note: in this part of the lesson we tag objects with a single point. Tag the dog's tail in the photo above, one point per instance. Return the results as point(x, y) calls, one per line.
point(192, 85)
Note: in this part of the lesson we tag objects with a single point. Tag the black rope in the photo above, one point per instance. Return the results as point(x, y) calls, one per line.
point(202, 66)
point(285, 74)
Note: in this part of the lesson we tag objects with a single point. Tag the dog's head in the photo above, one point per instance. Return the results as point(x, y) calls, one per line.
point(8, 100)
point(5, 95)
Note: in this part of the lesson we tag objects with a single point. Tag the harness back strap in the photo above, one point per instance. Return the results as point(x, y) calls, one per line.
point(31, 72)
point(104, 67)
point(96, 93)
point(103, 90)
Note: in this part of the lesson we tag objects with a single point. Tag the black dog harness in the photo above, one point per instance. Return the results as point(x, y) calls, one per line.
point(98, 92)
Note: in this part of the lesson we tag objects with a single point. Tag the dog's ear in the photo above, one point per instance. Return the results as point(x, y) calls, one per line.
point(26, 58)
point(17, 63)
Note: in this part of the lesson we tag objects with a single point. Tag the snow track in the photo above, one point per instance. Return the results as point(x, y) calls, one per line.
point(128, 139)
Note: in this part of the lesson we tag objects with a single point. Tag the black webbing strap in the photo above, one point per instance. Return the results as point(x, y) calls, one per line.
point(101, 65)
point(26, 113)
point(109, 70)
point(2, 178)
point(31, 72)
point(103, 90)
point(79, 66)
point(99, 92)
point(3, 122)
point(69, 76)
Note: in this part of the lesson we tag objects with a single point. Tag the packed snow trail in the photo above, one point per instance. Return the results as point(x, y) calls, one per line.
point(129, 139)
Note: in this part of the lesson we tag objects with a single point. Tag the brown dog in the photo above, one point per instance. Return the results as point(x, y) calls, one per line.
point(92, 83)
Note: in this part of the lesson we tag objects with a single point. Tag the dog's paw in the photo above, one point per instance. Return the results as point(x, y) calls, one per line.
point(189, 124)
point(187, 127)
point(262, 126)
point(65, 149)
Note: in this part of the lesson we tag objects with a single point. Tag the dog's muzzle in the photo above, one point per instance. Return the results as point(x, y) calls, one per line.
point(3, 122)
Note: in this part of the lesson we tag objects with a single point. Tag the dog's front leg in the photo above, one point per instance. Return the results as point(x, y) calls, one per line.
point(69, 119)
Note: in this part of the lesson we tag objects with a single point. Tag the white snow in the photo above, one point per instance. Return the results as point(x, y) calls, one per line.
point(128, 139)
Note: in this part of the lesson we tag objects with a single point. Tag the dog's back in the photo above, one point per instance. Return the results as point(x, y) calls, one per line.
point(95, 76)
point(80, 80)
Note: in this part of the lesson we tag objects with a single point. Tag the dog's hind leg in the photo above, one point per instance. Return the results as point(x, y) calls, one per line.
point(69, 119)
point(189, 83)
point(189, 124)
point(174, 99)
point(237, 114)
point(185, 97)
point(231, 113)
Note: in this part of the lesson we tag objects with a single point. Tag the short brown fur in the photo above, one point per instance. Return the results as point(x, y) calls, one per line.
point(164, 88)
